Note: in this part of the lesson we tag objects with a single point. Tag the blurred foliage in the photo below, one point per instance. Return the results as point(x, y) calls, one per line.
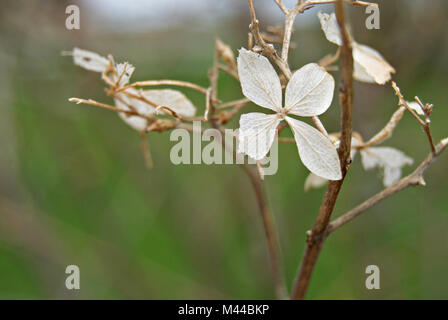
point(74, 190)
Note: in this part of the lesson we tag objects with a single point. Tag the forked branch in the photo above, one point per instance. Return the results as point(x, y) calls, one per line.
point(414, 179)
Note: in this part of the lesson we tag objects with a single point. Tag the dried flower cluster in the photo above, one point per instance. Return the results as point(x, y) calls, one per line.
point(308, 92)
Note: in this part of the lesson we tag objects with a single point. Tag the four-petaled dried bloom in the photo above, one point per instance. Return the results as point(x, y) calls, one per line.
point(308, 93)
point(368, 64)
point(144, 102)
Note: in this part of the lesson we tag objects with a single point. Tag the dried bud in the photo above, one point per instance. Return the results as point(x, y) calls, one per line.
point(225, 53)
point(428, 109)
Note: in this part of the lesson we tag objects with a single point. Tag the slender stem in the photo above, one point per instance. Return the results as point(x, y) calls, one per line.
point(232, 104)
point(268, 225)
point(109, 107)
point(424, 124)
point(413, 179)
point(269, 230)
point(266, 48)
point(387, 131)
point(315, 239)
point(319, 125)
point(145, 150)
point(178, 83)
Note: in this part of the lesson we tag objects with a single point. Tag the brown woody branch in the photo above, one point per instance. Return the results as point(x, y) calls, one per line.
point(313, 248)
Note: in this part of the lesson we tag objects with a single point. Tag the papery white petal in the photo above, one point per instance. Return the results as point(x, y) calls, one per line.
point(136, 122)
point(124, 102)
point(313, 182)
point(316, 151)
point(309, 92)
point(389, 159)
point(330, 27)
point(257, 133)
point(386, 156)
point(416, 107)
point(360, 74)
point(89, 60)
point(123, 72)
point(391, 175)
point(173, 99)
point(259, 81)
point(372, 63)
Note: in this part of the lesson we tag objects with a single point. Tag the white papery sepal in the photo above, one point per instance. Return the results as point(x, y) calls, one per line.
point(316, 151)
point(257, 133)
point(309, 91)
point(259, 81)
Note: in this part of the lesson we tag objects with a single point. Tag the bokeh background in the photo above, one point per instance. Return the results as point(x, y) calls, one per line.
point(74, 189)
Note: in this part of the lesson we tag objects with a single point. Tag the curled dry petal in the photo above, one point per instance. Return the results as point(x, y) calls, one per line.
point(390, 160)
point(330, 27)
point(416, 107)
point(124, 102)
point(173, 99)
point(123, 73)
point(313, 182)
point(259, 81)
point(309, 92)
point(257, 133)
point(369, 62)
point(316, 151)
point(368, 65)
point(89, 60)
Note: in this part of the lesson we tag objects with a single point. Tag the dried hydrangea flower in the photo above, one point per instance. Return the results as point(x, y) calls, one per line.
point(368, 64)
point(130, 98)
point(308, 93)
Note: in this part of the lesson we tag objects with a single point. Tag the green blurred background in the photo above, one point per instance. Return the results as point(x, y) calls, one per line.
point(74, 189)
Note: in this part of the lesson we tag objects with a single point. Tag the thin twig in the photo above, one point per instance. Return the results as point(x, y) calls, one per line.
point(319, 125)
point(266, 48)
point(109, 107)
point(281, 6)
point(269, 229)
point(313, 248)
point(329, 59)
point(232, 104)
point(289, 22)
point(145, 150)
point(228, 70)
point(286, 140)
point(177, 83)
point(268, 225)
point(387, 131)
point(413, 179)
point(425, 124)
